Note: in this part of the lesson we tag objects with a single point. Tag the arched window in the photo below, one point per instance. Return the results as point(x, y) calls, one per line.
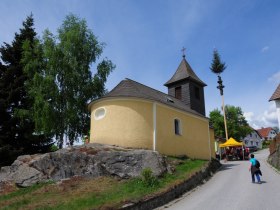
point(177, 127)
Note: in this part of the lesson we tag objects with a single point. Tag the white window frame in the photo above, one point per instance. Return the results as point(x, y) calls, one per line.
point(179, 133)
point(97, 115)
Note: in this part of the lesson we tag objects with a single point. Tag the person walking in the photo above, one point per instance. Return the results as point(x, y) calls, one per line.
point(254, 168)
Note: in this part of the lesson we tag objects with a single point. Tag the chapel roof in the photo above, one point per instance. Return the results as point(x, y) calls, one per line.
point(183, 72)
point(132, 89)
point(276, 94)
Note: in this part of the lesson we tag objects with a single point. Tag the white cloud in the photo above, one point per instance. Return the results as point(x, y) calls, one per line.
point(270, 117)
point(266, 119)
point(275, 77)
point(249, 116)
point(252, 120)
point(264, 49)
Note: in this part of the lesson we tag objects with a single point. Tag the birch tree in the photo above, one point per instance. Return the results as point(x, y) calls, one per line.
point(66, 81)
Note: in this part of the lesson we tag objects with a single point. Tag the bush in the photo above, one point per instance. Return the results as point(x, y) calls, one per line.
point(265, 144)
point(148, 178)
point(54, 148)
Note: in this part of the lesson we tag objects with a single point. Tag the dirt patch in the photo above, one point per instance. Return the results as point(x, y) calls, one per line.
point(7, 187)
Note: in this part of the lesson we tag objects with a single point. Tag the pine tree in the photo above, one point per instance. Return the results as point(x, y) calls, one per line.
point(17, 132)
point(217, 65)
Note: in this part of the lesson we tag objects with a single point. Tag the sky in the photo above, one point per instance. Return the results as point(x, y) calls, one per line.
point(144, 40)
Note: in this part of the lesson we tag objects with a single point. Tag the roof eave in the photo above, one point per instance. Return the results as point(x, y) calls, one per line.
point(188, 78)
point(192, 112)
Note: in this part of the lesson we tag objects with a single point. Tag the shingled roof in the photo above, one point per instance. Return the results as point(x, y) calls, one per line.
point(132, 89)
point(276, 94)
point(264, 131)
point(184, 71)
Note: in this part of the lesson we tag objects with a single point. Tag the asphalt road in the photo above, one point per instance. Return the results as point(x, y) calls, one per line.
point(231, 189)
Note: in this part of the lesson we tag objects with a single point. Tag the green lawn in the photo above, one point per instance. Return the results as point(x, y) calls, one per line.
point(99, 193)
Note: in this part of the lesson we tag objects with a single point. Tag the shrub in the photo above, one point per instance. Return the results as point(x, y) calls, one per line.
point(265, 144)
point(54, 148)
point(148, 178)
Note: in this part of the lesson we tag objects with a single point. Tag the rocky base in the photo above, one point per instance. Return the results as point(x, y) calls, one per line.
point(274, 157)
point(92, 160)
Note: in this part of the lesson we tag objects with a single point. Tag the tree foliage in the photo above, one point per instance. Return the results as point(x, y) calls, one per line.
point(237, 125)
point(17, 132)
point(217, 65)
point(62, 82)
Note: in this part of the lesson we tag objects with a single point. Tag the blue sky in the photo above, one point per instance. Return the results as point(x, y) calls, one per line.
point(144, 40)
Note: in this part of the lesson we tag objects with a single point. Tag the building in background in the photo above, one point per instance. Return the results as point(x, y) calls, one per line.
point(253, 139)
point(267, 133)
point(276, 97)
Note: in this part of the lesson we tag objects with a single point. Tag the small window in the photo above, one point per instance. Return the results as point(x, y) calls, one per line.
point(178, 93)
point(197, 93)
point(99, 113)
point(177, 127)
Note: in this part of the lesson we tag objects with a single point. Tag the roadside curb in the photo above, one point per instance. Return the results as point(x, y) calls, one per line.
point(159, 200)
point(271, 166)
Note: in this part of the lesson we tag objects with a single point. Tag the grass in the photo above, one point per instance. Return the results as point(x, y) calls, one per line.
point(99, 193)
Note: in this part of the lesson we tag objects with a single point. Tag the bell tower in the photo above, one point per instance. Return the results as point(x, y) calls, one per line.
point(187, 87)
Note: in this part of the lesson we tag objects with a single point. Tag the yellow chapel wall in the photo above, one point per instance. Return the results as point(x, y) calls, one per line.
point(194, 138)
point(213, 143)
point(127, 123)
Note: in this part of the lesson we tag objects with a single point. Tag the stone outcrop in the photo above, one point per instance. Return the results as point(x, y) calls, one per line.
point(92, 160)
point(274, 157)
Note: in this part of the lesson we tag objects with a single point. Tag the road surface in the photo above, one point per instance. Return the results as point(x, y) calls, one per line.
point(231, 189)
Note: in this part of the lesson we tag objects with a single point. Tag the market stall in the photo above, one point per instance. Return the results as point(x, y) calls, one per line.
point(233, 151)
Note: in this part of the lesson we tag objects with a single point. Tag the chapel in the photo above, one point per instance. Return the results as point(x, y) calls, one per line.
point(134, 115)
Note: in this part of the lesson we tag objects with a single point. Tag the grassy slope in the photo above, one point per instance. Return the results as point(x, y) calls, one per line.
point(99, 193)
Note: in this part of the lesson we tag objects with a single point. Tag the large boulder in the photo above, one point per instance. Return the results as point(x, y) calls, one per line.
point(91, 160)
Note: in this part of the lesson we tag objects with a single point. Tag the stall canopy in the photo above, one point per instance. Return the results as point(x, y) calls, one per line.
point(231, 143)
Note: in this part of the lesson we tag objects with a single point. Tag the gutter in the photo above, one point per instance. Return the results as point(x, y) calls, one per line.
point(154, 126)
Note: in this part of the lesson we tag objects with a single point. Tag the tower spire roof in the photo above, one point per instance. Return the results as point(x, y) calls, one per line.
point(184, 71)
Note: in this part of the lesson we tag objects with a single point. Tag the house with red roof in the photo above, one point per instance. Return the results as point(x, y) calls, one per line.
point(267, 133)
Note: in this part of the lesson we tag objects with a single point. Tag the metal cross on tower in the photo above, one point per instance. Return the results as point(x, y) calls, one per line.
point(183, 51)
